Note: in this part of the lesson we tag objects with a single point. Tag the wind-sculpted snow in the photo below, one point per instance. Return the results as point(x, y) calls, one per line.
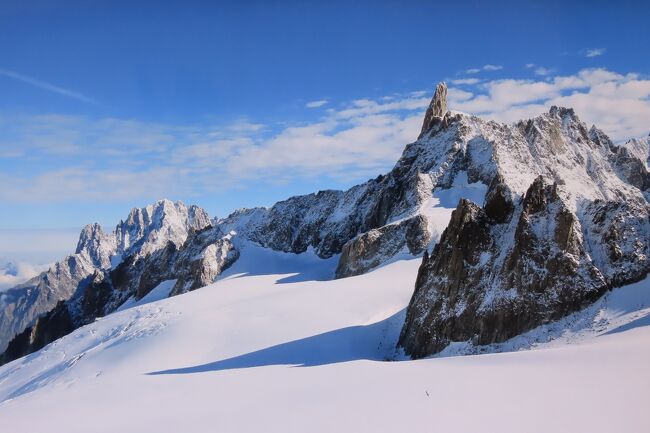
point(49, 365)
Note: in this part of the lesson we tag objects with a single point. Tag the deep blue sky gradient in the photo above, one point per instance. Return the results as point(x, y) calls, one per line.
point(175, 62)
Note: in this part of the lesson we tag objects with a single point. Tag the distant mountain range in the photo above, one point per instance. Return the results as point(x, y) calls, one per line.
point(549, 214)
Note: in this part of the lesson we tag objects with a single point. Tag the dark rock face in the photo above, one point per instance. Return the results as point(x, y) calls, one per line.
point(631, 168)
point(565, 218)
point(492, 277)
point(437, 108)
point(327, 220)
point(55, 324)
point(374, 247)
point(97, 295)
point(202, 258)
point(498, 201)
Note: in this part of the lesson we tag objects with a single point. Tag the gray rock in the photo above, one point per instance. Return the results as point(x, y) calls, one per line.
point(377, 246)
point(491, 279)
point(437, 109)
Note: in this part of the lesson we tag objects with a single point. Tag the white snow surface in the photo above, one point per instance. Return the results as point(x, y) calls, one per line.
point(443, 202)
point(281, 349)
point(161, 291)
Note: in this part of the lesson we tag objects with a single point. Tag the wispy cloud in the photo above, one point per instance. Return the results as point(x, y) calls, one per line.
point(617, 103)
point(595, 52)
point(466, 81)
point(316, 104)
point(487, 67)
point(81, 158)
point(542, 71)
point(492, 67)
point(12, 274)
point(46, 86)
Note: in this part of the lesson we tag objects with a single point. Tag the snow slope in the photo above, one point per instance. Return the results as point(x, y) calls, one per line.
point(281, 349)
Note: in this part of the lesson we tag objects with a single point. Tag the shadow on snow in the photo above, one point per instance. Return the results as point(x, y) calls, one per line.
point(375, 342)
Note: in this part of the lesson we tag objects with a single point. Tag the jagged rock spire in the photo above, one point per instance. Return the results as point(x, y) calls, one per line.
point(437, 108)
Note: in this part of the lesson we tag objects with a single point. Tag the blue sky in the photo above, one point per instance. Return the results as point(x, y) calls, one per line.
point(110, 105)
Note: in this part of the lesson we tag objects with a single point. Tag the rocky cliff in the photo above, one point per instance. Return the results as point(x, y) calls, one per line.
point(565, 218)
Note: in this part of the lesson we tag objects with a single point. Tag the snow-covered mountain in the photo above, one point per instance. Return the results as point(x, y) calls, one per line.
point(565, 218)
point(551, 214)
point(145, 230)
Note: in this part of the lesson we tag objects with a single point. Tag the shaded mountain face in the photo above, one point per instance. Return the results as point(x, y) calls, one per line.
point(566, 217)
point(557, 214)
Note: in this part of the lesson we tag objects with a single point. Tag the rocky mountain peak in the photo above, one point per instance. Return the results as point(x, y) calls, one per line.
point(96, 244)
point(565, 217)
point(562, 112)
point(437, 108)
point(149, 228)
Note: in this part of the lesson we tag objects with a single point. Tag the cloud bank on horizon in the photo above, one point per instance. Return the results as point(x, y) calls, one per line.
point(105, 159)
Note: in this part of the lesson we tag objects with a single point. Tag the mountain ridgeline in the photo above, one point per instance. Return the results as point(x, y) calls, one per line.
point(562, 216)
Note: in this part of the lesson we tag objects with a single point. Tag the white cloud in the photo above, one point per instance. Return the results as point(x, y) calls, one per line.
point(466, 81)
point(46, 86)
point(12, 274)
point(369, 143)
point(541, 71)
point(316, 104)
point(492, 67)
point(614, 102)
point(113, 159)
point(595, 52)
point(487, 67)
point(529, 65)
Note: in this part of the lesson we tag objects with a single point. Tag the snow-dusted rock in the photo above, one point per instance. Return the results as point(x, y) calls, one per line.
point(202, 259)
point(437, 108)
point(145, 231)
point(99, 246)
point(149, 228)
point(377, 246)
point(564, 219)
point(639, 147)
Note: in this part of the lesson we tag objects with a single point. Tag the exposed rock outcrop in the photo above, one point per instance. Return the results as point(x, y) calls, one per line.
point(53, 325)
point(529, 256)
point(437, 109)
point(371, 249)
